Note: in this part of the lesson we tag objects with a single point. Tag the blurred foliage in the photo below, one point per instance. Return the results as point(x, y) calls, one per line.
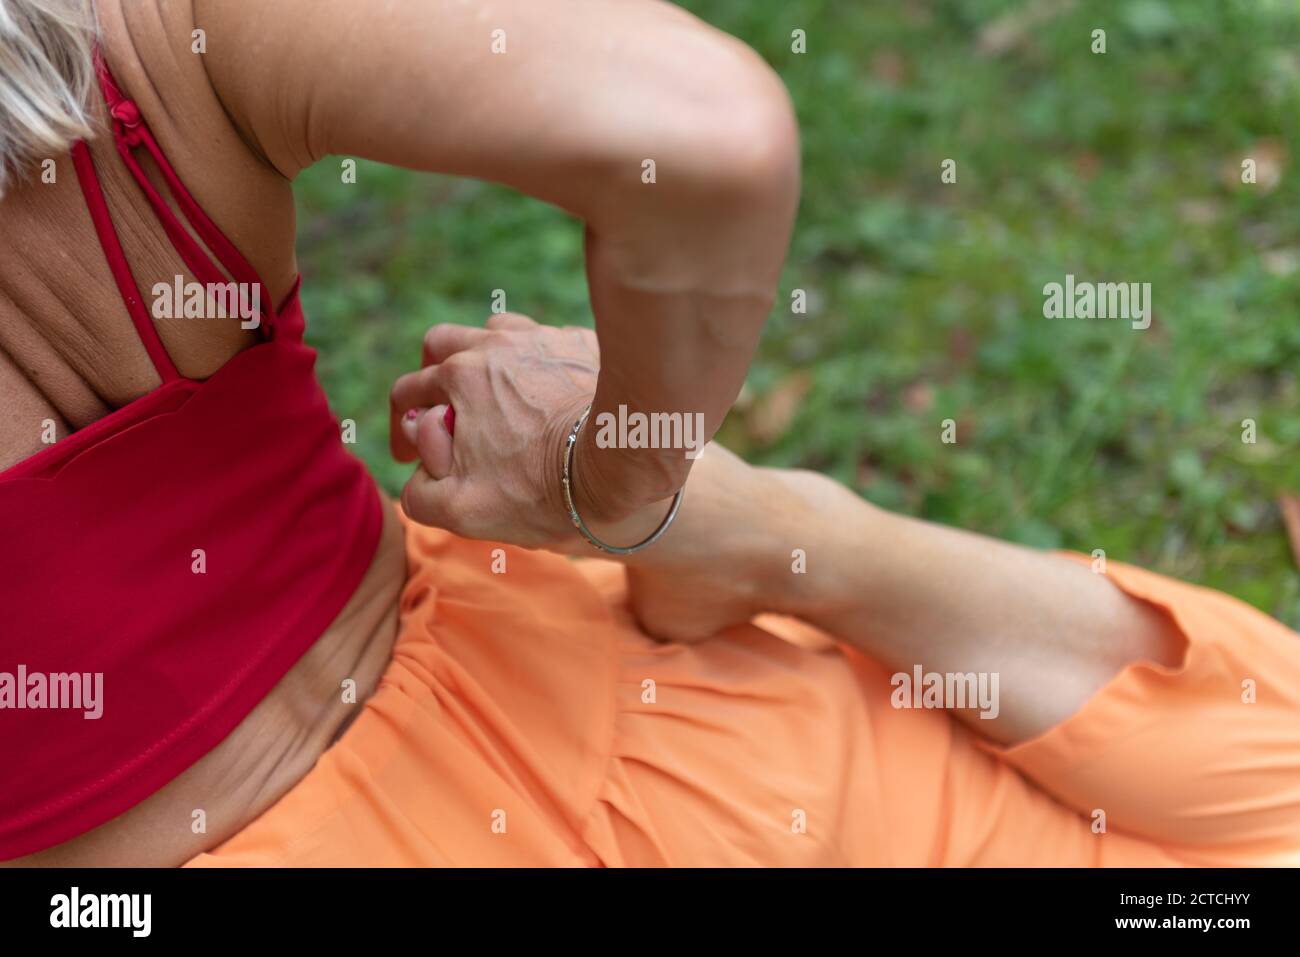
point(925, 299)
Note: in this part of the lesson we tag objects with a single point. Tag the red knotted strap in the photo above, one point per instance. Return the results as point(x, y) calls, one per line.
point(130, 132)
point(117, 262)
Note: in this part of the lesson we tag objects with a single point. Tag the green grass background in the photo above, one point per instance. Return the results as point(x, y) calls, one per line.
point(926, 299)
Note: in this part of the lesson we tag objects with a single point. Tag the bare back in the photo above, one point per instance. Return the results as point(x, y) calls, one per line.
point(70, 354)
point(68, 351)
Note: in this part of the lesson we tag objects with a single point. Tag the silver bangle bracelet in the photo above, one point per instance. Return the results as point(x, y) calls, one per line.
point(573, 509)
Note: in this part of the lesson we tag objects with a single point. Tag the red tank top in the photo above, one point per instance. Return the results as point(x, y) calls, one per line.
point(188, 548)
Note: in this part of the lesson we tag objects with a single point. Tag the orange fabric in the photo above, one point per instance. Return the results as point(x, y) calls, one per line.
point(526, 720)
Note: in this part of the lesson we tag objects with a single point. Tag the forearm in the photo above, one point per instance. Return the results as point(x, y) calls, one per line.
point(678, 323)
point(910, 593)
point(683, 272)
point(672, 142)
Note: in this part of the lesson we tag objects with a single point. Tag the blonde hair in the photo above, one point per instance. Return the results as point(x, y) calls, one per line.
point(46, 73)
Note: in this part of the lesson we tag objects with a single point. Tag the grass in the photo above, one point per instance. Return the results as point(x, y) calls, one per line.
point(925, 299)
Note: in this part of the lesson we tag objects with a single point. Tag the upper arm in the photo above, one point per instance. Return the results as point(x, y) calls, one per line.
point(557, 99)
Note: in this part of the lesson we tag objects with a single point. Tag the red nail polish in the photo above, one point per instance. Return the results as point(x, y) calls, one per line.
point(449, 420)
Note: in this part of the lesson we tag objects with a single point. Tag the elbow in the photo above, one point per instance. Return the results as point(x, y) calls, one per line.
point(749, 153)
point(722, 207)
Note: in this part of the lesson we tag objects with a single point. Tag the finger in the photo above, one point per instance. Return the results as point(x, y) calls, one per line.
point(509, 320)
point(411, 393)
point(446, 339)
point(399, 446)
point(422, 389)
point(429, 434)
point(431, 501)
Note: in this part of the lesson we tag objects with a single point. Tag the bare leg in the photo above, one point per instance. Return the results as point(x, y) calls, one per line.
point(1197, 754)
point(904, 592)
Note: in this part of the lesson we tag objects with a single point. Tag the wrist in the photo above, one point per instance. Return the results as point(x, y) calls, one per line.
point(613, 490)
point(613, 483)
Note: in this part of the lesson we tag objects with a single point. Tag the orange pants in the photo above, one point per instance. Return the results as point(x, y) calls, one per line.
point(526, 720)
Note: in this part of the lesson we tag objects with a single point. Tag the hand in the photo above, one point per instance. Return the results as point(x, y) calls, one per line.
point(517, 388)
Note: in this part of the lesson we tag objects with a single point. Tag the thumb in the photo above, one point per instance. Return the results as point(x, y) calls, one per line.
point(430, 501)
point(429, 432)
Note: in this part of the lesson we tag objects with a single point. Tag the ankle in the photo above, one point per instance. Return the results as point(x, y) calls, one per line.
point(817, 537)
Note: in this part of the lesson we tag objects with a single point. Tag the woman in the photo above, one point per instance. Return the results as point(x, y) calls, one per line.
point(288, 671)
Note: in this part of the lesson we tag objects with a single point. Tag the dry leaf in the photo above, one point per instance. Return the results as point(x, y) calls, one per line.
point(918, 398)
point(1012, 29)
point(1270, 156)
point(1199, 212)
point(773, 413)
point(961, 346)
point(1087, 164)
point(1290, 505)
point(889, 67)
point(1280, 262)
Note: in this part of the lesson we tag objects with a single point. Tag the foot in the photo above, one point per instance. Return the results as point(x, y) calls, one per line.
point(731, 552)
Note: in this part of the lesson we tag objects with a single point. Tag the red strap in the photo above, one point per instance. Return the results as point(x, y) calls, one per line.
point(117, 262)
point(130, 132)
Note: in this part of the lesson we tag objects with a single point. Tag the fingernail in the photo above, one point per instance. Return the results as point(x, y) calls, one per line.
point(411, 423)
point(449, 420)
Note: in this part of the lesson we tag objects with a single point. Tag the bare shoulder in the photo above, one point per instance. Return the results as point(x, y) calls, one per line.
point(158, 53)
